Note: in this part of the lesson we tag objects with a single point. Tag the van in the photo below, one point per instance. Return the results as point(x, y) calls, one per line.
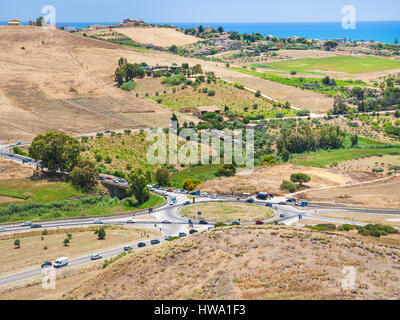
point(60, 262)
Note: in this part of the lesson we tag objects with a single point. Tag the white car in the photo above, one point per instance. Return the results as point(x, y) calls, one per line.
point(166, 221)
point(96, 256)
point(130, 221)
point(166, 238)
point(26, 224)
point(3, 229)
point(98, 221)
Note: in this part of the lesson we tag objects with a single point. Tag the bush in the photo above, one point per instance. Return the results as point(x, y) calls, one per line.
point(129, 86)
point(219, 224)
point(190, 184)
point(211, 93)
point(101, 233)
point(287, 185)
point(322, 227)
point(377, 230)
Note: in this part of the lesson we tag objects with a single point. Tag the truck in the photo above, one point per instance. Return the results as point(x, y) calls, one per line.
point(60, 262)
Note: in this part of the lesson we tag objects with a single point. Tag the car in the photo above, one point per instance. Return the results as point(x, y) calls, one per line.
point(202, 221)
point(282, 203)
point(115, 180)
point(282, 215)
point(130, 221)
point(236, 222)
point(141, 244)
point(170, 190)
point(108, 178)
point(259, 222)
point(210, 227)
point(60, 262)
point(166, 221)
point(250, 200)
point(96, 256)
point(213, 196)
point(35, 226)
point(171, 203)
point(192, 231)
point(3, 229)
point(98, 221)
point(102, 178)
point(204, 194)
point(193, 193)
point(127, 248)
point(152, 189)
point(46, 264)
point(166, 238)
point(291, 200)
point(107, 131)
point(187, 202)
point(26, 224)
point(268, 204)
point(182, 234)
point(155, 241)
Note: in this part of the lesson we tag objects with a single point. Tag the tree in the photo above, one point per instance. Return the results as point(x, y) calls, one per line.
point(285, 155)
point(300, 178)
point(287, 185)
point(197, 69)
point(69, 236)
point(66, 242)
point(397, 113)
point(326, 80)
point(200, 29)
point(220, 29)
point(190, 184)
point(39, 21)
point(332, 44)
point(258, 94)
point(17, 243)
point(396, 41)
point(173, 48)
point(138, 185)
point(56, 151)
point(101, 233)
point(162, 177)
point(354, 139)
point(227, 170)
point(339, 104)
point(84, 175)
point(358, 92)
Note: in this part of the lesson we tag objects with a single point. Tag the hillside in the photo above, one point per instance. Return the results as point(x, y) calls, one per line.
point(163, 37)
point(268, 262)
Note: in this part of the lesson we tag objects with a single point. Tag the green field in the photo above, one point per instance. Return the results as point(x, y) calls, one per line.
point(325, 158)
point(37, 190)
point(85, 207)
point(203, 172)
point(349, 64)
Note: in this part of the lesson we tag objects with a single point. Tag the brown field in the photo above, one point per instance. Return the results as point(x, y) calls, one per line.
point(11, 170)
point(393, 220)
point(226, 211)
point(268, 262)
point(269, 179)
point(367, 164)
point(62, 81)
point(383, 194)
point(84, 241)
point(163, 37)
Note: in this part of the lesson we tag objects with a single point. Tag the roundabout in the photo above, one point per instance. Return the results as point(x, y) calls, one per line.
point(227, 211)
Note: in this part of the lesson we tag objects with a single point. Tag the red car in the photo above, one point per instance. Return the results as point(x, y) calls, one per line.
point(259, 222)
point(170, 190)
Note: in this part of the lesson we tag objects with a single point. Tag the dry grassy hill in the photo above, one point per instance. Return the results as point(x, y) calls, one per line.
point(268, 262)
point(163, 37)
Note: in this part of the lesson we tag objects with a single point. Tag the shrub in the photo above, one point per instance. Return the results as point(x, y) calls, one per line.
point(322, 227)
point(129, 86)
point(190, 184)
point(101, 233)
point(219, 224)
point(211, 93)
point(377, 230)
point(287, 185)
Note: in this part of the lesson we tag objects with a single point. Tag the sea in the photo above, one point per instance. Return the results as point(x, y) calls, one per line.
point(379, 31)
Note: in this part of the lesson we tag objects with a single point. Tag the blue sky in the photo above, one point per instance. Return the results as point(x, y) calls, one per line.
point(202, 11)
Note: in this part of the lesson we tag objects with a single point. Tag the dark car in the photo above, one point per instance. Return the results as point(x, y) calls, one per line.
point(192, 231)
point(269, 204)
point(202, 221)
point(127, 248)
point(283, 203)
point(46, 264)
point(291, 200)
point(102, 178)
point(155, 241)
point(170, 190)
point(141, 244)
point(250, 200)
point(34, 226)
point(259, 222)
point(187, 202)
point(182, 234)
point(236, 222)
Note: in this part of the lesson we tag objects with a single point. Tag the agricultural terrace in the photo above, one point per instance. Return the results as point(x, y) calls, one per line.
point(226, 211)
point(221, 94)
point(348, 64)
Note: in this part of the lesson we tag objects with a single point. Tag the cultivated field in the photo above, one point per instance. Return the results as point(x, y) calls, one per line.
point(163, 37)
point(348, 64)
point(225, 211)
point(34, 250)
point(268, 262)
